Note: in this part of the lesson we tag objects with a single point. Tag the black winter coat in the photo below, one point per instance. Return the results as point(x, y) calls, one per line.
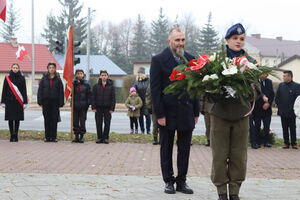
point(268, 91)
point(82, 94)
point(141, 86)
point(285, 98)
point(54, 93)
point(104, 97)
point(13, 109)
point(180, 113)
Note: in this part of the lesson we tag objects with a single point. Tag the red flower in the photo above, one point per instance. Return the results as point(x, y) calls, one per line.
point(188, 68)
point(176, 75)
point(201, 61)
point(193, 62)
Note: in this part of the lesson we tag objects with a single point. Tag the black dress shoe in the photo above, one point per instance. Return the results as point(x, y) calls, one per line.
point(169, 188)
point(223, 197)
point(99, 141)
point(234, 197)
point(47, 140)
point(106, 141)
point(184, 188)
point(255, 146)
point(54, 140)
point(267, 145)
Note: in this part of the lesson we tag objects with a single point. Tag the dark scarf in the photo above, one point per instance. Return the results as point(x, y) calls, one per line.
point(13, 76)
point(232, 54)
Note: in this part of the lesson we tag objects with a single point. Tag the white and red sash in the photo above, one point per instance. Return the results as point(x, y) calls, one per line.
point(15, 91)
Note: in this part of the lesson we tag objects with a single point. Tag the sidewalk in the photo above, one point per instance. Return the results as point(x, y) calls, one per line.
point(131, 171)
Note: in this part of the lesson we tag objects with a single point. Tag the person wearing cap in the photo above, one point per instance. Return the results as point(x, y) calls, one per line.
point(103, 105)
point(51, 97)
point(134, 104)
point(229, 129)
point(141, 85)
point(82, 101)
point(173, 113)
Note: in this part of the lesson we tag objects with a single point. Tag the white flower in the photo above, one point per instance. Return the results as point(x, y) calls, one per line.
point(213, 57)
point(252, 66)
point(231, 92)
point(230, 71)
point(212, 77)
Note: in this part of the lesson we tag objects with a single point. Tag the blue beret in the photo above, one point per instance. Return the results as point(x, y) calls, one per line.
point(236, 29)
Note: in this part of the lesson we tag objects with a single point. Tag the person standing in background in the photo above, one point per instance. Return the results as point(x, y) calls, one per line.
point(51, 97)
point(141, 86)
point(14, 100)
point(103, 105)
point(82, 101)
point(286, 95)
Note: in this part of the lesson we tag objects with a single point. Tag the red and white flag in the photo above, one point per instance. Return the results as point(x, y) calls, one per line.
point(21, 53)
point(3, 10)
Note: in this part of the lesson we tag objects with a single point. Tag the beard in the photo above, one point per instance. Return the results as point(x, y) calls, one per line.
point(180, 51)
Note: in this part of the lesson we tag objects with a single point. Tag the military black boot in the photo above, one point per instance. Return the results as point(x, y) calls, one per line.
point(81, 139)
point(76, 139)
point(155, 141)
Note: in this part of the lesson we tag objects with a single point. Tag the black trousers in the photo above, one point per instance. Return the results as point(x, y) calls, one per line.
point(252, 130)
point(13, 126)
point(133, 120)
point(103, 114)
point(266, 119)
point(79, 118)
point(51, 116)
point(289, 127)
point(148, 123)
point(166, 152)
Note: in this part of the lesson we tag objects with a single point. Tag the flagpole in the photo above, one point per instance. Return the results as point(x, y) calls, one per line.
point(72, 93)
point(33, 54)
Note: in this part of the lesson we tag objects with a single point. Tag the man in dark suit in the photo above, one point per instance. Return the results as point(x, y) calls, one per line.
point(286, 95)
point(173, 113)
point(263, 112)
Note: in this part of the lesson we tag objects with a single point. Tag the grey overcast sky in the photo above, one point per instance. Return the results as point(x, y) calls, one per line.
point(271, 18)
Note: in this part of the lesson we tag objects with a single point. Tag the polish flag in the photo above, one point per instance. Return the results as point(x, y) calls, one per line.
point(21, 53)
point(3, 10)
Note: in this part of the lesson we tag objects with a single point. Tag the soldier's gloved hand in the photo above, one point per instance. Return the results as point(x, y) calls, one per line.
point(3, 105)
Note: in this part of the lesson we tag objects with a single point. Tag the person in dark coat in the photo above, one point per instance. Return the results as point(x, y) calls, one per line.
point(51, 97)
point(173, 113)
point(285, 98)
point(14, 100)
point(141, 86)
point(263, 112)
point(103, 104)
point(82, 101)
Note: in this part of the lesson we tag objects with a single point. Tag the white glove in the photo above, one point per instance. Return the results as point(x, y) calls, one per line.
point(3, 105)
point(24, 106)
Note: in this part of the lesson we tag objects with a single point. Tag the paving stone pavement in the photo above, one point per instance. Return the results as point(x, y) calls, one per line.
point(108, 187)
point(38, 170)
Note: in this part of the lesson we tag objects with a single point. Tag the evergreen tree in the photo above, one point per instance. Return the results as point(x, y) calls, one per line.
point(116, 53)
point(56, 28)
point(209, 40)
point(139, 44)
point(159, 33)
point(8, 30)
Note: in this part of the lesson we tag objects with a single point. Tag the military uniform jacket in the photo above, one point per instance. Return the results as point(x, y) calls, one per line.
point(232, 109)
point(180, 113)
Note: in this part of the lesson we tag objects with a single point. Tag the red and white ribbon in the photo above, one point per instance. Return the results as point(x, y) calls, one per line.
point(15, 91)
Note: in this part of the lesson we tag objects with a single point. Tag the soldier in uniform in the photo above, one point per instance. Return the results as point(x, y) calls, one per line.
point(173, 113)
point(205, 106)
point(229, 129)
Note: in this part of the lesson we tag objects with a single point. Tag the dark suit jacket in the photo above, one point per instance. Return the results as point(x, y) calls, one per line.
point(267, 90)
point(179, 113)
point(285, 98)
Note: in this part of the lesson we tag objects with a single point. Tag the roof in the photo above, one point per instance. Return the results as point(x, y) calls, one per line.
point(42, 57)
point(97, 63)
point(275, 47)
point(289, 60)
